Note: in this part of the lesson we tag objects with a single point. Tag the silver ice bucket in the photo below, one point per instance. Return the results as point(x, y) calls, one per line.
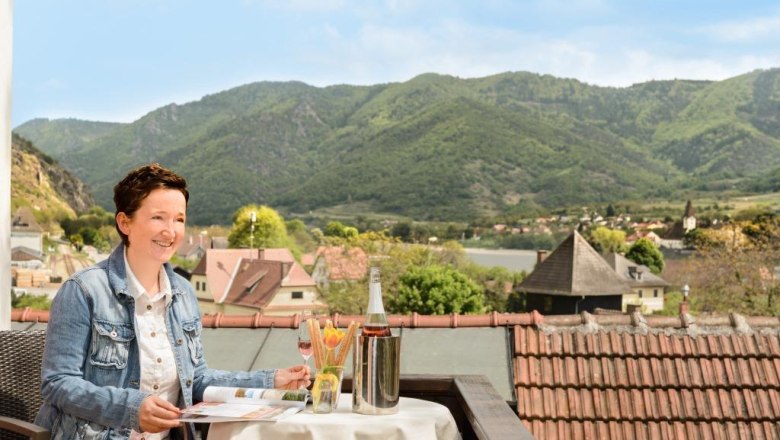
point(376, 378)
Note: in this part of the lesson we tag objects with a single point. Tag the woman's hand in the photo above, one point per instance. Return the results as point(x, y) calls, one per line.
point(157, 415)
point(292, 378)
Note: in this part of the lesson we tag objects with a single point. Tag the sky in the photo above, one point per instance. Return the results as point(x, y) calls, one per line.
point(116, 60)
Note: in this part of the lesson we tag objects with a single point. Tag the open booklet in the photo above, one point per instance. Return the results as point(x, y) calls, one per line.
point(227, 404)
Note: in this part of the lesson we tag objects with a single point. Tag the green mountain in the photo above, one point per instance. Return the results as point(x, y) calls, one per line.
point(439, 147)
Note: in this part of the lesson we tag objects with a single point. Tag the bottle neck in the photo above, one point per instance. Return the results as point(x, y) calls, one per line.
point(375, 299)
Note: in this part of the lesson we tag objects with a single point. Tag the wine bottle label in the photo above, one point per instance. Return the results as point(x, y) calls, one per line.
point(376, 310)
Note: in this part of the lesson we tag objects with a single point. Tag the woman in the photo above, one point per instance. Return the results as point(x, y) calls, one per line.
point(123, 351)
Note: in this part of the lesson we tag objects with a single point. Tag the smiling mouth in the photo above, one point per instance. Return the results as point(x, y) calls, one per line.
point(163, 243)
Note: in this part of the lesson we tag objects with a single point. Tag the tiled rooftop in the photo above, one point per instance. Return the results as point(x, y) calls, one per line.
point(614, 377)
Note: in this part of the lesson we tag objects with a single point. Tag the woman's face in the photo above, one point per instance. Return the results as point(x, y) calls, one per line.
point(157, 228)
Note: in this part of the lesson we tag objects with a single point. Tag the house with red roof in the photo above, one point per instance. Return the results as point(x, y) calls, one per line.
point(338, 264)
point(245, 281)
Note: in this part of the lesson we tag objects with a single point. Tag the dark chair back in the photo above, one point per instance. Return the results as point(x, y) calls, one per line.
point(21, 352)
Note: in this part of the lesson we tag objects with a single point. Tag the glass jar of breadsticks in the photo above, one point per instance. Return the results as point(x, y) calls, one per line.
point(330, 348)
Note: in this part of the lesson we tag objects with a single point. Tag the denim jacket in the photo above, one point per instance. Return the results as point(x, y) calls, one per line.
point(91, 370)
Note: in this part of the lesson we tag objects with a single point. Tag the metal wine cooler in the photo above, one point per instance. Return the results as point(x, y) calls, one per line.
point(376, 374)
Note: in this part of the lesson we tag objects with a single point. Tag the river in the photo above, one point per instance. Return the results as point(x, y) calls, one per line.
point(512, 259)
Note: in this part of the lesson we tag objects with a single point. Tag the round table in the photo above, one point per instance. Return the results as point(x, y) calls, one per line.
point(415, 420)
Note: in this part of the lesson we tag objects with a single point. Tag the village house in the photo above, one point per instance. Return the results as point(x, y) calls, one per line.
point(245, 281)
point(647, 234)
point(648, 289)
point(194, 247)
point(25, 231)
point(339, 264)
point(572, 279)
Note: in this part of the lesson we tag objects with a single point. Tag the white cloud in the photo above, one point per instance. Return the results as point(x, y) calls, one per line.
point(745, 30)
point(596, 56)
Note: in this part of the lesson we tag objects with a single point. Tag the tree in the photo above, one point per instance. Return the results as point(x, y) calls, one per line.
point(608, 240)
point(338, 229)
point(734, 269)
point(297, 231)
point(437, 290)
point(269, 228)
point(402, 230)
point(348, 298)
point(644, 252)
point(77, 241)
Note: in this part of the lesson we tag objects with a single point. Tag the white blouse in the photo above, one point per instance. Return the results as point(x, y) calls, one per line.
point(158, 366)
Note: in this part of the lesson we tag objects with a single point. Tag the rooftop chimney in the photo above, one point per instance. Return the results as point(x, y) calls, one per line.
point(684, 304)
point(541, 255)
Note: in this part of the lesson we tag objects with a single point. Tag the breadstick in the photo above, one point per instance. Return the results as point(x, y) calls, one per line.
point(346, 343)
point(316, 342)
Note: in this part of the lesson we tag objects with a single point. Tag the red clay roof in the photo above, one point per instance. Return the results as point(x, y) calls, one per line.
point(218, 265)
point(609, 377)
point(255, 282)
point(344, 263)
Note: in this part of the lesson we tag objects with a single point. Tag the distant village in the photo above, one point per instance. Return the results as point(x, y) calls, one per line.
point(571, 278)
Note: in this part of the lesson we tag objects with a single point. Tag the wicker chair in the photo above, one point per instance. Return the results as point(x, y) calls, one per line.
point(20, 384)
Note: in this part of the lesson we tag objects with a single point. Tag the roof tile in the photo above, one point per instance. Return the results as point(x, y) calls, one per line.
point(774, 399)
point(713, 348)
point(763, 404)
point(715, 406)
point(675, 404)
point(520, 338)
point(536, 403)
point(688, 404)
point(774, 346)
point(547, 374)
point(749, 404)
point(558, 372)
point(727, 405)
point(532, 342)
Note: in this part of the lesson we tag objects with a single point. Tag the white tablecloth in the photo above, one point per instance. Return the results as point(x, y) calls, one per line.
point(416, 420)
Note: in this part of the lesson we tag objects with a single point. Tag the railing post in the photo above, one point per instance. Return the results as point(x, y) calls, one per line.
point(6, 52)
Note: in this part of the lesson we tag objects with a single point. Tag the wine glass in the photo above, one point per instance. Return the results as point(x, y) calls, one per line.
point(304, 342)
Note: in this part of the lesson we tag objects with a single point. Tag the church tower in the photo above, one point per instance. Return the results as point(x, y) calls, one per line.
point(688, 220)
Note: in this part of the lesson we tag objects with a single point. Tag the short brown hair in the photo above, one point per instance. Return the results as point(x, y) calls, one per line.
point(137, 184)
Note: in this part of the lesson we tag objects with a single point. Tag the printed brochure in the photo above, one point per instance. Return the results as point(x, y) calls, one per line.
point(227, 404)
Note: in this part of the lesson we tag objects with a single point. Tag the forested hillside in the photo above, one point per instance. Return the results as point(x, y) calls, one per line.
point(440, 147)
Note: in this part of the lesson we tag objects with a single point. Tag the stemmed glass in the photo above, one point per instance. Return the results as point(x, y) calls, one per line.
point(304, 341)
